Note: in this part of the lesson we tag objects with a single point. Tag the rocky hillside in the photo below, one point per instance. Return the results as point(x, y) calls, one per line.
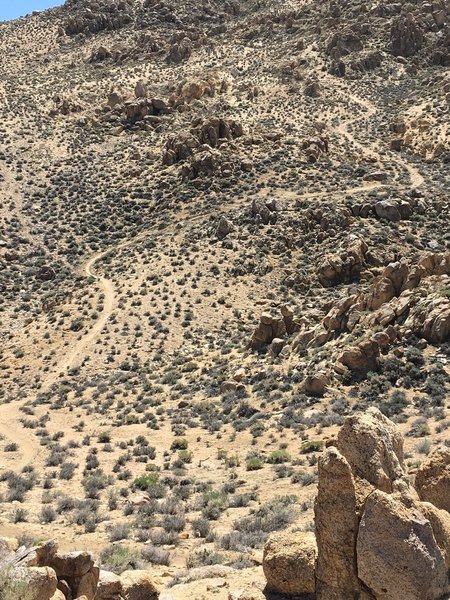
point(224, 230)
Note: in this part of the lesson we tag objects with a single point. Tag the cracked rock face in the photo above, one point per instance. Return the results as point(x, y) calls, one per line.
point(372, 532)
point(407, 36)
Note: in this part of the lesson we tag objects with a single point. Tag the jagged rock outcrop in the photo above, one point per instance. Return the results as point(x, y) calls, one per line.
point(344, 42)
point(180, 51)
point(344, 267)
point(179, 148)
point(195, 88)
point(407, 36)
point(138, 585)
point(361, 358)
point(224, 228)
point(373, 534)
point(316, 384)
point(212, 130)
point(273, 327)
point(269, 328)
point(200, 144)
point(92, 17)
point(433, 479)
point(392, 210)
point(265, 211)
point(436, 327)
point(367, 62)
point(315, 147)
point(76, 575)
point(373, 447)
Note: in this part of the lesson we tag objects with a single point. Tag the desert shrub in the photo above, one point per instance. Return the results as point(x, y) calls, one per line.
point(12, 447)
point(119, 558)
point(311, 446)
point(174, 522)
point(424, 447)
point(303, 478)
point(242, 541)
point(19, 515)
point(146, 481)
point(214, 502)
point(94, 482)
point(201, 527)
point(201, 558)
point(254, 463)
point(185, 456)
point(273, 516)
point(48, 514)
point(164, 538)
point(119, 531)
point(179, 444)
point(65, 504)
point(242, 500)
point(155, 555)
point(18, 485)
point(67, 471)
point(277, 457)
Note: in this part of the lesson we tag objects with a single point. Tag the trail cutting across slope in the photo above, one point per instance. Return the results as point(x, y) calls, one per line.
point(10, 414)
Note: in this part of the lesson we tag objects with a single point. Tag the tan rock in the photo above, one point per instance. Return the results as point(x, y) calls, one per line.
point(316, 385)
point(87, 585)
point(361, 358)
point(373, 447)
point(436, 328)
point(41, 582)
point(344, 267)
point(109, 586)
point(397, 554)
point(440, 523)
point(276, 346)
point(289, 563)
point(138, 585)
point(269, 328)
point(72, 564)
point(433, 479)
point(383, 291)
point(336, 529)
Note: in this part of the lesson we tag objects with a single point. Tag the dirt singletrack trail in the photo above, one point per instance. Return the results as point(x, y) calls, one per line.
point(12, 431)
point(76, 355)
point(11, 428)
point(415, 177)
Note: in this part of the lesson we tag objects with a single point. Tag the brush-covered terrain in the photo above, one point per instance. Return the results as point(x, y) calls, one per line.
point(224, 227)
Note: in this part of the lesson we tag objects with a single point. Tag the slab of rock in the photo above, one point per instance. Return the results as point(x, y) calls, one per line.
point(87, 584)
point(71, 564)
point(361, 358)
point(41, 582)
point(373, 447)
point(289, 563)
point(109, 586)
point(433, 479)
point(336, 519)
point(436, 328)
point(398, 556)
point(138, 585)
point(269, 328)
